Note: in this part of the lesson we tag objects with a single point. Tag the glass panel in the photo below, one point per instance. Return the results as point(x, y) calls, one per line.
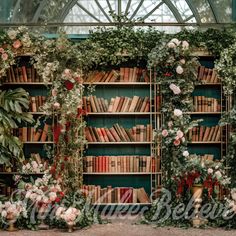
point(223, 9)
point(183, 8)
point(204, 11)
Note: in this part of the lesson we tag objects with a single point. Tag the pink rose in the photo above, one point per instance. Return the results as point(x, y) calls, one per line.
point(2, 50)
point(177, 142)
point(4, 56)
point(180, 134)
point(54, 92)
point(56, 105)
point(164, 132)
point(67, 73)
point(17, 44)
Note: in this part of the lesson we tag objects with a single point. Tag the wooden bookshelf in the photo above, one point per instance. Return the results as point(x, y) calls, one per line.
point(206, 142)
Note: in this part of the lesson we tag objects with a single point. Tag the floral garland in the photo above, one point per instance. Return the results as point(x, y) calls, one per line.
point(175, 70)
point(227, 71)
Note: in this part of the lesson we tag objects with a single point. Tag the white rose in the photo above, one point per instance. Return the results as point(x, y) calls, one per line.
point(59, 211)
point(176, 41)
point(218, 174)
point(185, 45)
point(28, 166)
point(4, 214)
point(179, 70)
point(12, 34)
point(210, 171)
point(185, 153)
point(52, 196)
point(178, 112)
point(175, 89)
point(182, 61)
point(171, 45)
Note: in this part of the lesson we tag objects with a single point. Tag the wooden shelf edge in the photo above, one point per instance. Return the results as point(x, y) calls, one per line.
point(122, 113)
point(120, 204)
point(18, 173)
point(116, 83)
point(26, 83)
point(206, 142)
point(121, 173)
point(119, 143)
point(47, 142)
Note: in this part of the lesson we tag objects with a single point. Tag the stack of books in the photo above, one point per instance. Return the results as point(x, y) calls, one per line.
point(206, 104)
point(115, 195)
point(120, 164)
point(208, 75)
point(22, 74)
point(117, 104)
point(125, 74)
point(30, 134)
point(117, 133)
point(36, 102)
point(205, 134)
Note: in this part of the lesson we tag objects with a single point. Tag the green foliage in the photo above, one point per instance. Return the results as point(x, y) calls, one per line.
point(12, 106)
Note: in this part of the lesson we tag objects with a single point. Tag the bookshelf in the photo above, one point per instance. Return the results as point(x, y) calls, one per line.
point(23, 74)
point(210, 108)
point(110, 175)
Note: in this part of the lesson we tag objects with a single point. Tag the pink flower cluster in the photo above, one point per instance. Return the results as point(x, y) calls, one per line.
point(4, 54)
point(69, 215)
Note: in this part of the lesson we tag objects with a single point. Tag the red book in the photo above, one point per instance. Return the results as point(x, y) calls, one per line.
point(104, 134)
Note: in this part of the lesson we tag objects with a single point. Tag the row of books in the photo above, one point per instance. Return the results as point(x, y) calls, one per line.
point(206, 104)
point(125, 74)
point(205, 133)
point(117, 133)
point(115, 195)
point(22, 74)
point(30, 134)
point(117, 104)
point(120, 164)
point(208, 75)
point(36, 102)
point(6, 190)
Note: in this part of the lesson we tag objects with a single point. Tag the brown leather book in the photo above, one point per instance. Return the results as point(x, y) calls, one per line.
point(37, 135)
point(133, 103)
point(111, 104)
point(45, 133)
point(93, 106)
point(121, 102)
point(109, 135)
point(206, 133)
point(142, 196)
point(115, 134)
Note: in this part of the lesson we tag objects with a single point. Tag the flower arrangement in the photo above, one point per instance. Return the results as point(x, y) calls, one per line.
point(68, 215)
point(32, 166)
point(209, 174)
point(10, 212)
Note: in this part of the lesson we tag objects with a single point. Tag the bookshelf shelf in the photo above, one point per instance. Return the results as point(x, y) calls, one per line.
point(121, 204)
point(47, 142)
point(119, 143)
point(27, 83)
point(122, 113)
point(18, 173)
point(117, 83)
point(206, 142)
point(209, 84)
point(203, 113)
point(122, 173)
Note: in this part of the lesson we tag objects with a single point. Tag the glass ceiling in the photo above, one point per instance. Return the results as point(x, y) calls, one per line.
point(78, 16)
